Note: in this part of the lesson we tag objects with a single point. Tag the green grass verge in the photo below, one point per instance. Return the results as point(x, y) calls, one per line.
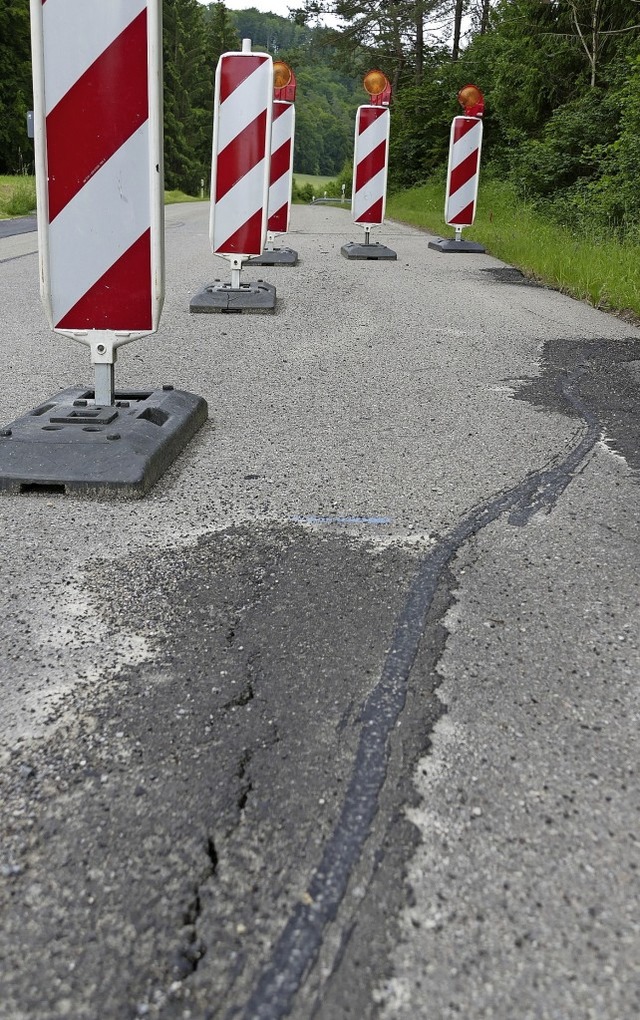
point(17, 195)
point(604, 273)
point(173, 197)
point(314, 180)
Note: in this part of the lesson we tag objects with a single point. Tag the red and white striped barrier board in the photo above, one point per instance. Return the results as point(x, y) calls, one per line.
point(463, 172)
point(96, 68)
point(371, 157)
point(241, 154)
point(281, 176)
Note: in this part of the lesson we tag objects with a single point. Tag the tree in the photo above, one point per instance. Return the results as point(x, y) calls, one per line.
point(16, 93)
point(596, 23)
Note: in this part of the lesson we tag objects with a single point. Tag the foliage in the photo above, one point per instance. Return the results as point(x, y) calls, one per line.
point(16, 150)
point(302, 192)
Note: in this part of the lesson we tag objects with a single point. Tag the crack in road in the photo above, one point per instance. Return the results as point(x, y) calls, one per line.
point(298, 946)
point(194, 948)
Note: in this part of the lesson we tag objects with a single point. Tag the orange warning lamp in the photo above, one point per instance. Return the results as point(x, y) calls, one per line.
point(284, 82)
point(471, 100)
point(379, 88)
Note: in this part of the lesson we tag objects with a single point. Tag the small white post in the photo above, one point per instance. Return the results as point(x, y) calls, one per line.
point(236, 269)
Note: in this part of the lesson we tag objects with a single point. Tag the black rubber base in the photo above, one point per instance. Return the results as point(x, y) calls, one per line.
point(353, 250)
point(69, 445)
point(275, 257)
point(448, 244)
point(222, 297)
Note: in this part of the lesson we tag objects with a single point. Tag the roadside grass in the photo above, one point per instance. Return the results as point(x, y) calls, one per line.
point(17, 195)
point(316, 182)
point(606, 273)
point(173, 197)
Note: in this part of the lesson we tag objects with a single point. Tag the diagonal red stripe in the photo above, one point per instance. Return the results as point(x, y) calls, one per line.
point(247, 240)
point(98, 114)
point(463, 172)
point(462, 126)
point(279, 108)
point(121, 298)
point(280, 162)
point(241, 155)
point(278, 220)
point(371, 165)
point(236, 68)
point(465, 217)
point(368, 115)
point(373, 214)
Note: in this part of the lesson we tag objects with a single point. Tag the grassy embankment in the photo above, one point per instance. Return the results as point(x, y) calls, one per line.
point(604, 273)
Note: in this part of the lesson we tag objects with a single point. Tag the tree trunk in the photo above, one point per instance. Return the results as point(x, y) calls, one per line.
point(457, 30)
point(419, 40)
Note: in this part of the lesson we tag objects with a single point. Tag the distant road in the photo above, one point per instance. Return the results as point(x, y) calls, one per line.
point(19, 225)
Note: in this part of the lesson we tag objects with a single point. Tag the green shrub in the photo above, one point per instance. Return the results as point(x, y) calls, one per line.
point(304, 193)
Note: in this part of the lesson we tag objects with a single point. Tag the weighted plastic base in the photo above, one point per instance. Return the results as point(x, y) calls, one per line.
point(69, 445)
point(449, 244)
point(275, 257)
point(353, 250)
point(222, 297)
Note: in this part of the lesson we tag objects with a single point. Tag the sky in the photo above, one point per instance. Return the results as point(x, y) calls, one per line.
point(280, 7)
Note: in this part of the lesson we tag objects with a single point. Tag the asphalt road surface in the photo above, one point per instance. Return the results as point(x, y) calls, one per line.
point(341, 720)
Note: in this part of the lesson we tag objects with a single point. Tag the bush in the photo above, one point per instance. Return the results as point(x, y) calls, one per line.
point(302, 194)
point(570, 148)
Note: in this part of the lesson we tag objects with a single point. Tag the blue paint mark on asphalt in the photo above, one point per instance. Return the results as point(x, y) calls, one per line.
point(311, 519)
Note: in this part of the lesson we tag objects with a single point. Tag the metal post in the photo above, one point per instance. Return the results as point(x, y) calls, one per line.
point(270, 240)
point(236, 268)
point(458, 233)
point(367, 235)
point(104, 385)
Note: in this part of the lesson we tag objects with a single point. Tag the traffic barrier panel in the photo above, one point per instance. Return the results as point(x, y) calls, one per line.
point(370, 165)
point(240, 160)
point(97, 114)
point(281, 177)
point(239, 176)
point(281, 172)
point(371, 159)
point(463, 172)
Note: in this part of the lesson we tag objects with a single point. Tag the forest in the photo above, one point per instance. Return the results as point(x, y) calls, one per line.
point(561, 80)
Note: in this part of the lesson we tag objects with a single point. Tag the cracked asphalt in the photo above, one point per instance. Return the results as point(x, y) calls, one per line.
point(342, 718)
